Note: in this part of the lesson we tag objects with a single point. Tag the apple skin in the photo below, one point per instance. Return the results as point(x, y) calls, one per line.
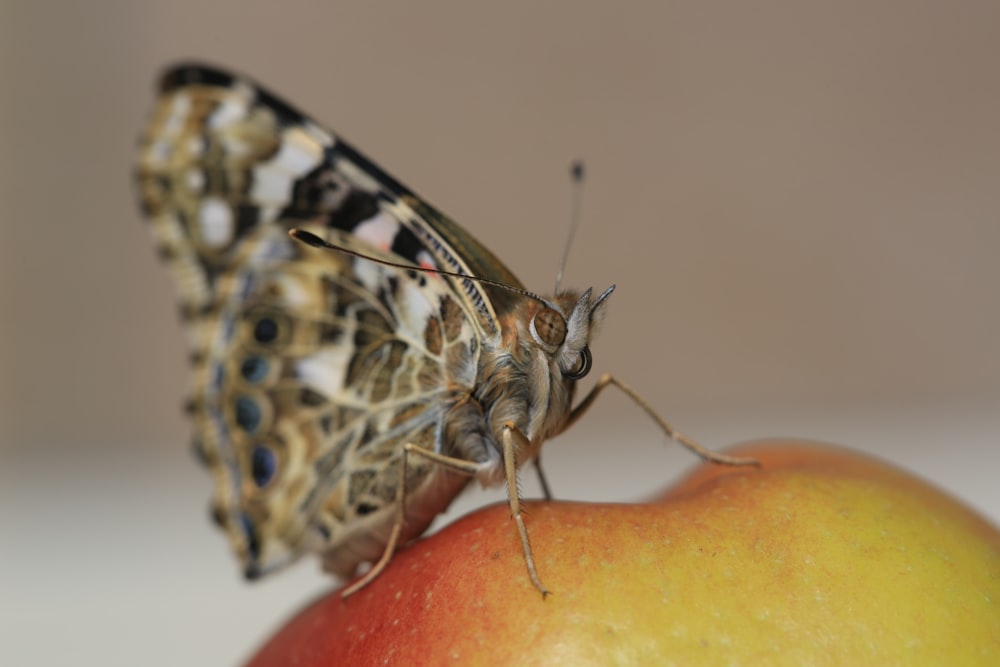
point(821, 556)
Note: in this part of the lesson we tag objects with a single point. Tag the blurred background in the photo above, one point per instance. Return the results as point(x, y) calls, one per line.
point(798, 203)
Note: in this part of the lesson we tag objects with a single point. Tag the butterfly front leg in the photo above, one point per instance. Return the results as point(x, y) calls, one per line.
point(703, 452)
point(514, 440)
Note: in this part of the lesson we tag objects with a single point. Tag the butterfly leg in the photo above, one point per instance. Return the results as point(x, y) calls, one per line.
point(703, 452)
point(512, 440)
point(460, 466)
point(542, 479)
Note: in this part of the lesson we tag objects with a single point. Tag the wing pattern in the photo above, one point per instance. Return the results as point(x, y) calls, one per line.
point(312, 368)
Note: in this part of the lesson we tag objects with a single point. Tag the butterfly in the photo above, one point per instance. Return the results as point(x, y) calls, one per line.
point(358, 357)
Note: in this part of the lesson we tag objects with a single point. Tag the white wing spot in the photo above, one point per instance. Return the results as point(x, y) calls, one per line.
point(195, 180)
point(227, 113)
point(318, 133)
point(298, 154)
point(379, 231)
point(180, 109)
point(270, 186)
point(414, 309)
point(425, 260)
point(325, 371)
point(368, 274)
point(215, 220)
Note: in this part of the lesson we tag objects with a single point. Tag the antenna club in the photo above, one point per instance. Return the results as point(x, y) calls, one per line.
point(308, 238)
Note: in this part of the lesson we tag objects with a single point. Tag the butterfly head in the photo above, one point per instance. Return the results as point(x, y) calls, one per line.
point(563, 328)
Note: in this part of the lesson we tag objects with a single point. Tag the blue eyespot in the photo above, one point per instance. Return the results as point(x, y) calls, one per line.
point(254, 369)
point(248, 414)
point(265, 331)
point(263, 465)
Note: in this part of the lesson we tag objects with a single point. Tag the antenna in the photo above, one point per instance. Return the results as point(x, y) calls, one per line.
point(576, 174)
point(311, 239)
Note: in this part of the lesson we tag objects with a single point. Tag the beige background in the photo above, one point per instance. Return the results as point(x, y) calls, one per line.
point(798, 202)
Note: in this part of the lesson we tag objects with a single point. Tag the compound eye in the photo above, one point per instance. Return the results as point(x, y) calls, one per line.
point(585, 363)
point(548, 327)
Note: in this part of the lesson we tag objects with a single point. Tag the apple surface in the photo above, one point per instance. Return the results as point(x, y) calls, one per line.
point(820, 556)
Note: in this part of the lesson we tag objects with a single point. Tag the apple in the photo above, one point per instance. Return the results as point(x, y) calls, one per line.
point(821, 556)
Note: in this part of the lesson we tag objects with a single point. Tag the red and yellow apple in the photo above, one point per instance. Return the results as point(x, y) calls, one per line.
point(821, 556)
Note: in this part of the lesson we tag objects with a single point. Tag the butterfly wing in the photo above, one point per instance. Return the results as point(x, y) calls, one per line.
point(312, 368)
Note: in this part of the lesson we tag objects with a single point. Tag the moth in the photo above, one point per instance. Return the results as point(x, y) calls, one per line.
point(352, 377)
